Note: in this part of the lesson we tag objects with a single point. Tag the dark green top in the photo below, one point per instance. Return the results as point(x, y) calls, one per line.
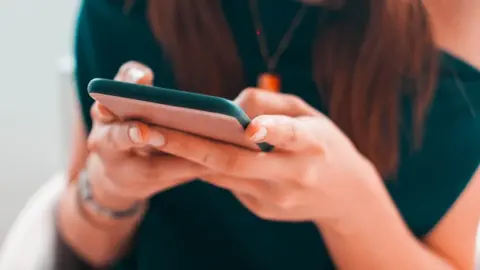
point(198, 226)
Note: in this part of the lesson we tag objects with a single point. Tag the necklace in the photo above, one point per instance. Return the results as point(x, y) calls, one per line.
point(270, 80)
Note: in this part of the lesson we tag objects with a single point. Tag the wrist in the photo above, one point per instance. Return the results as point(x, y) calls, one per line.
point(111, 199)
point(368, 197)
point(103, 207)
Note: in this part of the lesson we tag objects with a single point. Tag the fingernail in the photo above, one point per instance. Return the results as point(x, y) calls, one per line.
point(135, 74)
point(104, 112)
point(156, 139)
point(138, 133)
point(259, 135)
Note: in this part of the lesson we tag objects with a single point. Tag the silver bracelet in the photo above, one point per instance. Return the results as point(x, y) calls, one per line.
point(85, 195)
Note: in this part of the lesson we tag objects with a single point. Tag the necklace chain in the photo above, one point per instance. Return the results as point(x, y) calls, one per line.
point(272, 60)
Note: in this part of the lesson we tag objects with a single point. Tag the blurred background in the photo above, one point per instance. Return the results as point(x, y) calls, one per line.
point(36, 97)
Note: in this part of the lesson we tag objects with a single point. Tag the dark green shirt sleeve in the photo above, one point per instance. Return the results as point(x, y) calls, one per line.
point(431, 179)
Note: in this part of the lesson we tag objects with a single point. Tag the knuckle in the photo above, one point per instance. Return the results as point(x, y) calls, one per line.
point(297, 104)
point(208, 159)
point(293, 134)
point(255, 207)
point(94, 111)
point(262, 213)
point(250, 100)
point(293, 99)
point(249, 92)
point(96, 138)
point(252, 96)
point(290, 135)
point(92, 144)
point(214, 159)
point(227, 163)
point(308, 177)
point(284, 201)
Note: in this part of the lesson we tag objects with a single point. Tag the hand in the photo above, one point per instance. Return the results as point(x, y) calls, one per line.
point(121, 166)
point(314, 174)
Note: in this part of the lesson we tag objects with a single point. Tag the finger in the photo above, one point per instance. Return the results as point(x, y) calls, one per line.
point(256, 102)
point(132, 72)
point(254, 187)
point(267, 191)
point(257, 206)
point(100, 113)
point(142, 177)
point(133, 134)
point(161, 172)
point(284, 132)
point(220, 157)
point(135, 72)
point(110, 139)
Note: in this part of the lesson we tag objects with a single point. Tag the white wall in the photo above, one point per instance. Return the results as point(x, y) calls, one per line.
point(34, 34)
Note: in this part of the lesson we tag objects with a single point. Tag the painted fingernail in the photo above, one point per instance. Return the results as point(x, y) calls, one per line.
point(104, 112)
point(259, 135)
point(156, 139)
point(139, 133)
point(135, 74)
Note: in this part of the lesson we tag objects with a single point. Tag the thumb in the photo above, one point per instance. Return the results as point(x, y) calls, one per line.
point(257, 102)
point(286, 133)
point(135, 72)
point(138, 73)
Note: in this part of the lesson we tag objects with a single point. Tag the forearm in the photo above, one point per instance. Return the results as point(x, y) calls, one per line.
point(94, 239)
point(375, 237)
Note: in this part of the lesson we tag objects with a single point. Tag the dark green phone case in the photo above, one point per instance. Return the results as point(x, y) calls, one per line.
point(175, 98)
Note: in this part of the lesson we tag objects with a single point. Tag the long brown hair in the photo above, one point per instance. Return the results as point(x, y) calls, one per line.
point(371, 57)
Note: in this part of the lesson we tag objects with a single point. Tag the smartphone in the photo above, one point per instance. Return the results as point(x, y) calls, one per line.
point(207, 116)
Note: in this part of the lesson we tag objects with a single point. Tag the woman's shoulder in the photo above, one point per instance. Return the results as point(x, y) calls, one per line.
point(458, 92)
point(431, 178)
point(453, 117)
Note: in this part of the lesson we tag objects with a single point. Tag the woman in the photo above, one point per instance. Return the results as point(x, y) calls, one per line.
point(376, 136)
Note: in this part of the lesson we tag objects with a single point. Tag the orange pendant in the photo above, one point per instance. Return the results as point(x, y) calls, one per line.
point(269, 81)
